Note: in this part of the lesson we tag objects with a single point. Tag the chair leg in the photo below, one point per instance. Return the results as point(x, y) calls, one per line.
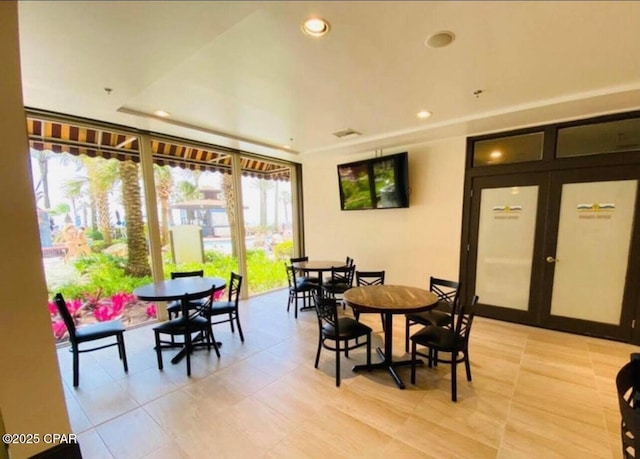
point(76, 366)
point(454, 379)
point(413, 362)
point(296, 305)
point(467, 365)
point(231, 322)
point(213, 340)
point(337, 363)
point(406, 334)
point(289, 302)
point(187, 348)
point(382, 320)
point(239, 326)
point(318, 353)
point(368, 348)
point(122, 351)
point(431, 357)
point(158, 351)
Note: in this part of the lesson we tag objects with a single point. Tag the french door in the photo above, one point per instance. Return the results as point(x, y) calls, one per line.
point(557, 249)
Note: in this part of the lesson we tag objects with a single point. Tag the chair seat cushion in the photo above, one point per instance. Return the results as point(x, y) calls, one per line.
point(432, 317)
point(312, 279)
point(336, 287)
point(436, 337)
point(182, 325)
point(99, 330)
point(349, 328)
point(220, 307)
point(303, 286)
point(174, 306)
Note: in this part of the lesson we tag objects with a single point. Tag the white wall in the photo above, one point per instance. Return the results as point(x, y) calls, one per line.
point(410, 244)
point(31, 397)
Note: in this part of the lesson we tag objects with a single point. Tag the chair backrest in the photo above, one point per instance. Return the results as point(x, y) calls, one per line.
point(464, 322)
point(298, 259)
point(234, 288)
point(61, 304)
point(349, 261)
point(369, 278)
point(628, 386)
point(448, 291)
point(342, 275)
point(326, 310)
point(199, 273)
point(291, 275)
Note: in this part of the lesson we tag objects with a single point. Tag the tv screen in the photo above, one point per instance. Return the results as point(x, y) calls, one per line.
point(378, 183)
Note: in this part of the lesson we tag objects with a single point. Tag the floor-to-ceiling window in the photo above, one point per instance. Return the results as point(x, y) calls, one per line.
point(218, 210)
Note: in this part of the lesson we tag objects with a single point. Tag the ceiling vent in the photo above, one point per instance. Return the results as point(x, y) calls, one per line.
point(348, 132)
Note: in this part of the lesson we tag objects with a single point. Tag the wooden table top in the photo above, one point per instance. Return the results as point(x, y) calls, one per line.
point(175, 289)
point(394, 299)
point(317, 265)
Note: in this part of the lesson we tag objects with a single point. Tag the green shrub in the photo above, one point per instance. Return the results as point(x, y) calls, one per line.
point(283, 250)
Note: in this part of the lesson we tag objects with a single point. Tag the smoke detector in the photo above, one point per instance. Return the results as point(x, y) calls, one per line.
point(348, 132)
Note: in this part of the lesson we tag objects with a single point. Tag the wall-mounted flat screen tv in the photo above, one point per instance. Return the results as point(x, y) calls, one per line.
point(378, 183)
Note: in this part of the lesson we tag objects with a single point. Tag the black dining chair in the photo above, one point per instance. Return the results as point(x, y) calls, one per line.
point(298, 290)
point(339, 331)
point(174, 308)
point(215, 309)
point(341, 281)
point(185, 325)
point(628, 387)
point(448, 340)
point(347, 262)
point(101, 330)
point(364, 278)
point(302, 276)
point(444, 312)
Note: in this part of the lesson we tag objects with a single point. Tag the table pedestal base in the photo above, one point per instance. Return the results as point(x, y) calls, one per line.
point(195, 343)
point(388, 364)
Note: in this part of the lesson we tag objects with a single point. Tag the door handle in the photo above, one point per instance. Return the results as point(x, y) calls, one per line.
point(552, 260)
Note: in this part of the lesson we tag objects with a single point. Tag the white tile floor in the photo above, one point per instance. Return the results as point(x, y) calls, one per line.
point(535, 393)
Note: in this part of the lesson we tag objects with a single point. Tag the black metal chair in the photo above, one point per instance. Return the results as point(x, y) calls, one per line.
point(341, 281)
point(347, 262)
point(339, 330)
point(111, 328)
point(312, 279)
point(298, 290)
point(185, 325)
point(174, 308)
point(364, 278)
point(628, 386)
point(229, 308)
point(454, 341)
point(443, 314)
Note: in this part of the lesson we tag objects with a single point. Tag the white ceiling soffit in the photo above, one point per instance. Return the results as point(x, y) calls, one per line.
point(242, 75)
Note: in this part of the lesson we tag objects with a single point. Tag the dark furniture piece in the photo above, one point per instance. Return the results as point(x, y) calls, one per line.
point(389, 300)
point(341, 281)
point(112, 328)
point(454, 341)
point(298, 290)
point(174, 307)
point(369, 278)
point(304, 277)
point(347, 262)
point(317, 266)
point(628, 386)
point(444, 312)
point(339, 331)
point(214, 309)
point(185, 289)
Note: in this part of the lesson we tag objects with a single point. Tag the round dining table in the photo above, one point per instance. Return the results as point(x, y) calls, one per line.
point(184, 289)
point(317, 266)
point(389, 300)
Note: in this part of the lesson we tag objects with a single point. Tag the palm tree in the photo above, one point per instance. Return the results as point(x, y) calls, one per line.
point(137, 260)
point(263, 187)
point(101, 175)
point(42, 157)
point(164, 185)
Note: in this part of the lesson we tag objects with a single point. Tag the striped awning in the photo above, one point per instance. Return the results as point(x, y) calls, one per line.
point(77, 139)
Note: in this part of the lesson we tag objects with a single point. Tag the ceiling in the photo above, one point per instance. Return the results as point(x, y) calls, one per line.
point(243, 75)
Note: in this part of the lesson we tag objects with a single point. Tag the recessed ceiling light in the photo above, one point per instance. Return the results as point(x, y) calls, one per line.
point(496, 154)
point(288, 147)
point(162, 114)
point(315, 27)
point(423, 114)
point(440, 39)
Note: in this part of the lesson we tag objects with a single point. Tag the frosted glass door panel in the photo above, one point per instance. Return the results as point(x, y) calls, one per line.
point(594, 235)
point(505, 245)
